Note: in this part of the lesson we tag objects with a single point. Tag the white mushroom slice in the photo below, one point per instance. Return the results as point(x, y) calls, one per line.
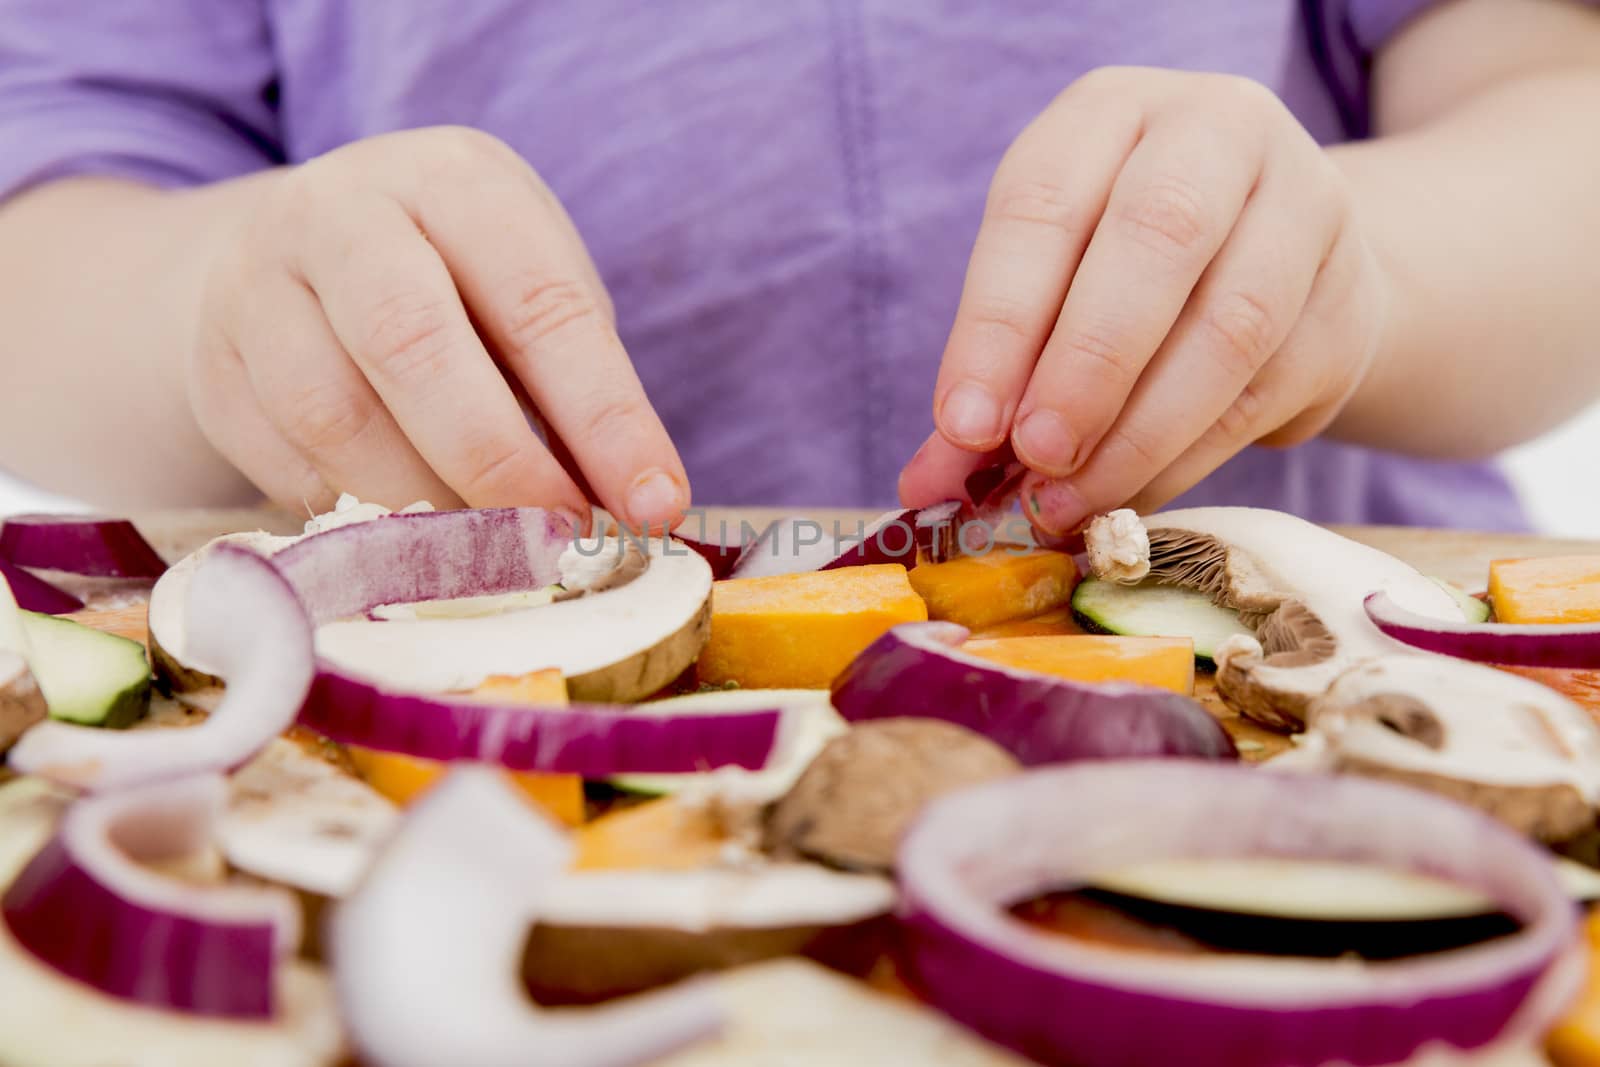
point(1505, 744)
point(1299, 586)
point(21, 703)
point(618, 644)
point(298, 820)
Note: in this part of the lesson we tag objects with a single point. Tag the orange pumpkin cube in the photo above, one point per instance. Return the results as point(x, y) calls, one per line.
point(1004, 584)
point(797, 631)
point(1555, 589)
point(1166, 662)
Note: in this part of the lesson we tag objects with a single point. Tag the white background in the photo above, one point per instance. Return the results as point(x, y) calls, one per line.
point(1557, 475)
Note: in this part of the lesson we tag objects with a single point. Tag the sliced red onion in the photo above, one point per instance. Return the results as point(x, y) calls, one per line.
point(917, 669)
point(87, 907)
point(992, 490)
point(35, 594)
point(719, 556)
point(938, 529)
point(1573, 646)
point(244, 619)
point(594, 740)
point(975, 853)
point(427, 950)
point(79, 544)
point(347, 571)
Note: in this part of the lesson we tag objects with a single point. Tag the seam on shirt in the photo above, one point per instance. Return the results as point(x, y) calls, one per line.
point(864, 195)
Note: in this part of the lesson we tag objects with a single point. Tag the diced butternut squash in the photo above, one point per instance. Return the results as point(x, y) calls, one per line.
point(797, 631)
point(663, 834)
point(981, 591)
point(1167, 662)
point(402, 778)
point(1575, 1041)
point(1057, 623)
point(1557, 589)
point(546, 687)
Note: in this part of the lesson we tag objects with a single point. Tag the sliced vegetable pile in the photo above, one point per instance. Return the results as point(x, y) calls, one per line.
point(428, 781)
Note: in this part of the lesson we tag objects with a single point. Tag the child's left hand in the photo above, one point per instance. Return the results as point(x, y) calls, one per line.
point(1168, 270)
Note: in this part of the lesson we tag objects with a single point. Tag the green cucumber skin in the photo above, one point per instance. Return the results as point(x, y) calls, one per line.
point(1095, 606)
point(62, 649)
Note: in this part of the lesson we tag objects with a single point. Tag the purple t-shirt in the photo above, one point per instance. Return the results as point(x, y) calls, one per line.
point(780, 196)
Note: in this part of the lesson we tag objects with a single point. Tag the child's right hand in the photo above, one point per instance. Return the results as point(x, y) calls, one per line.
point(346, 336)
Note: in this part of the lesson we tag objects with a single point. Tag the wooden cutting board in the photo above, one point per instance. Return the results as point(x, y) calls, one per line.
point(1458, 556)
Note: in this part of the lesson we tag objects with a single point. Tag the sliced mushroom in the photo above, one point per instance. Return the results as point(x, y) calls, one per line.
point(1370, 705)
point(1512, 747)
point(1298, 585)
point(857, 797)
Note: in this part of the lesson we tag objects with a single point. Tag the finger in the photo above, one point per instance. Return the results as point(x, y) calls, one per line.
point(523, 273)
point(321, 403)
point(1170, 211)
point(938, 472)
point(1204, 380)
point(229, 415)
point(1275, 413)
point(395, 310)
point(1047, 194)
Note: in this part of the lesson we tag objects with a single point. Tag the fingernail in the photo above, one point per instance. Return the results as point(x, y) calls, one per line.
point(654, 499)
point(1044, 441)
point(970, 415)
point(1056, 508)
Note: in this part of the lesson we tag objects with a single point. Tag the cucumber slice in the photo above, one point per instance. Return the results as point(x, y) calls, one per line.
point(1151, 610)
point(87, 676)
point(809, 722)
point(1472, 609)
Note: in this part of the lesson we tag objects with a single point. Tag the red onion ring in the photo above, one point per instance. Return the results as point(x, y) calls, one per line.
point(33, 593)
point(594, 740)
point(426, 950)
point(86, 907)
point(1572, 646)
point(79, 544)
point(974, 853)
point(917, 669)
point(246, 620)
point(347, 571)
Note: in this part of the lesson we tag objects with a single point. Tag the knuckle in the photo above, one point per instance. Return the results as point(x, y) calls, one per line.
point(1169, 217)
point(1038, 203)
point(407, 337)
point(1103, 81)
point(1003, 320)
point(1246, 93)
point(494, 470)
point(469, 145)
point(327, 418)
point(1242, 420)
point(612, 418)
point(1243, 329)
point(541, 307)
point(1100, 353)
point(1139, 444)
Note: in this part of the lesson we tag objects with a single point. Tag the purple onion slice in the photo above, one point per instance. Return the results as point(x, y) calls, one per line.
point(595, 740)
point(918, 670)
point(90, 907)
point(35, 594)
point(1571, 646)
point(975, 853)
point(80, 544)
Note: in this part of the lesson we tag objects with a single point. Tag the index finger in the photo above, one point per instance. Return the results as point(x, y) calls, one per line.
point(523, 270)
point(395, 311)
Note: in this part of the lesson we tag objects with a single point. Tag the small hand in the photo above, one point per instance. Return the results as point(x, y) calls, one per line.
point(1168, 270)
point(379, 324)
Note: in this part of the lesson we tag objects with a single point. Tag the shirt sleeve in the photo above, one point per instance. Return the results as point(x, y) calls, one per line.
point(170, 92)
